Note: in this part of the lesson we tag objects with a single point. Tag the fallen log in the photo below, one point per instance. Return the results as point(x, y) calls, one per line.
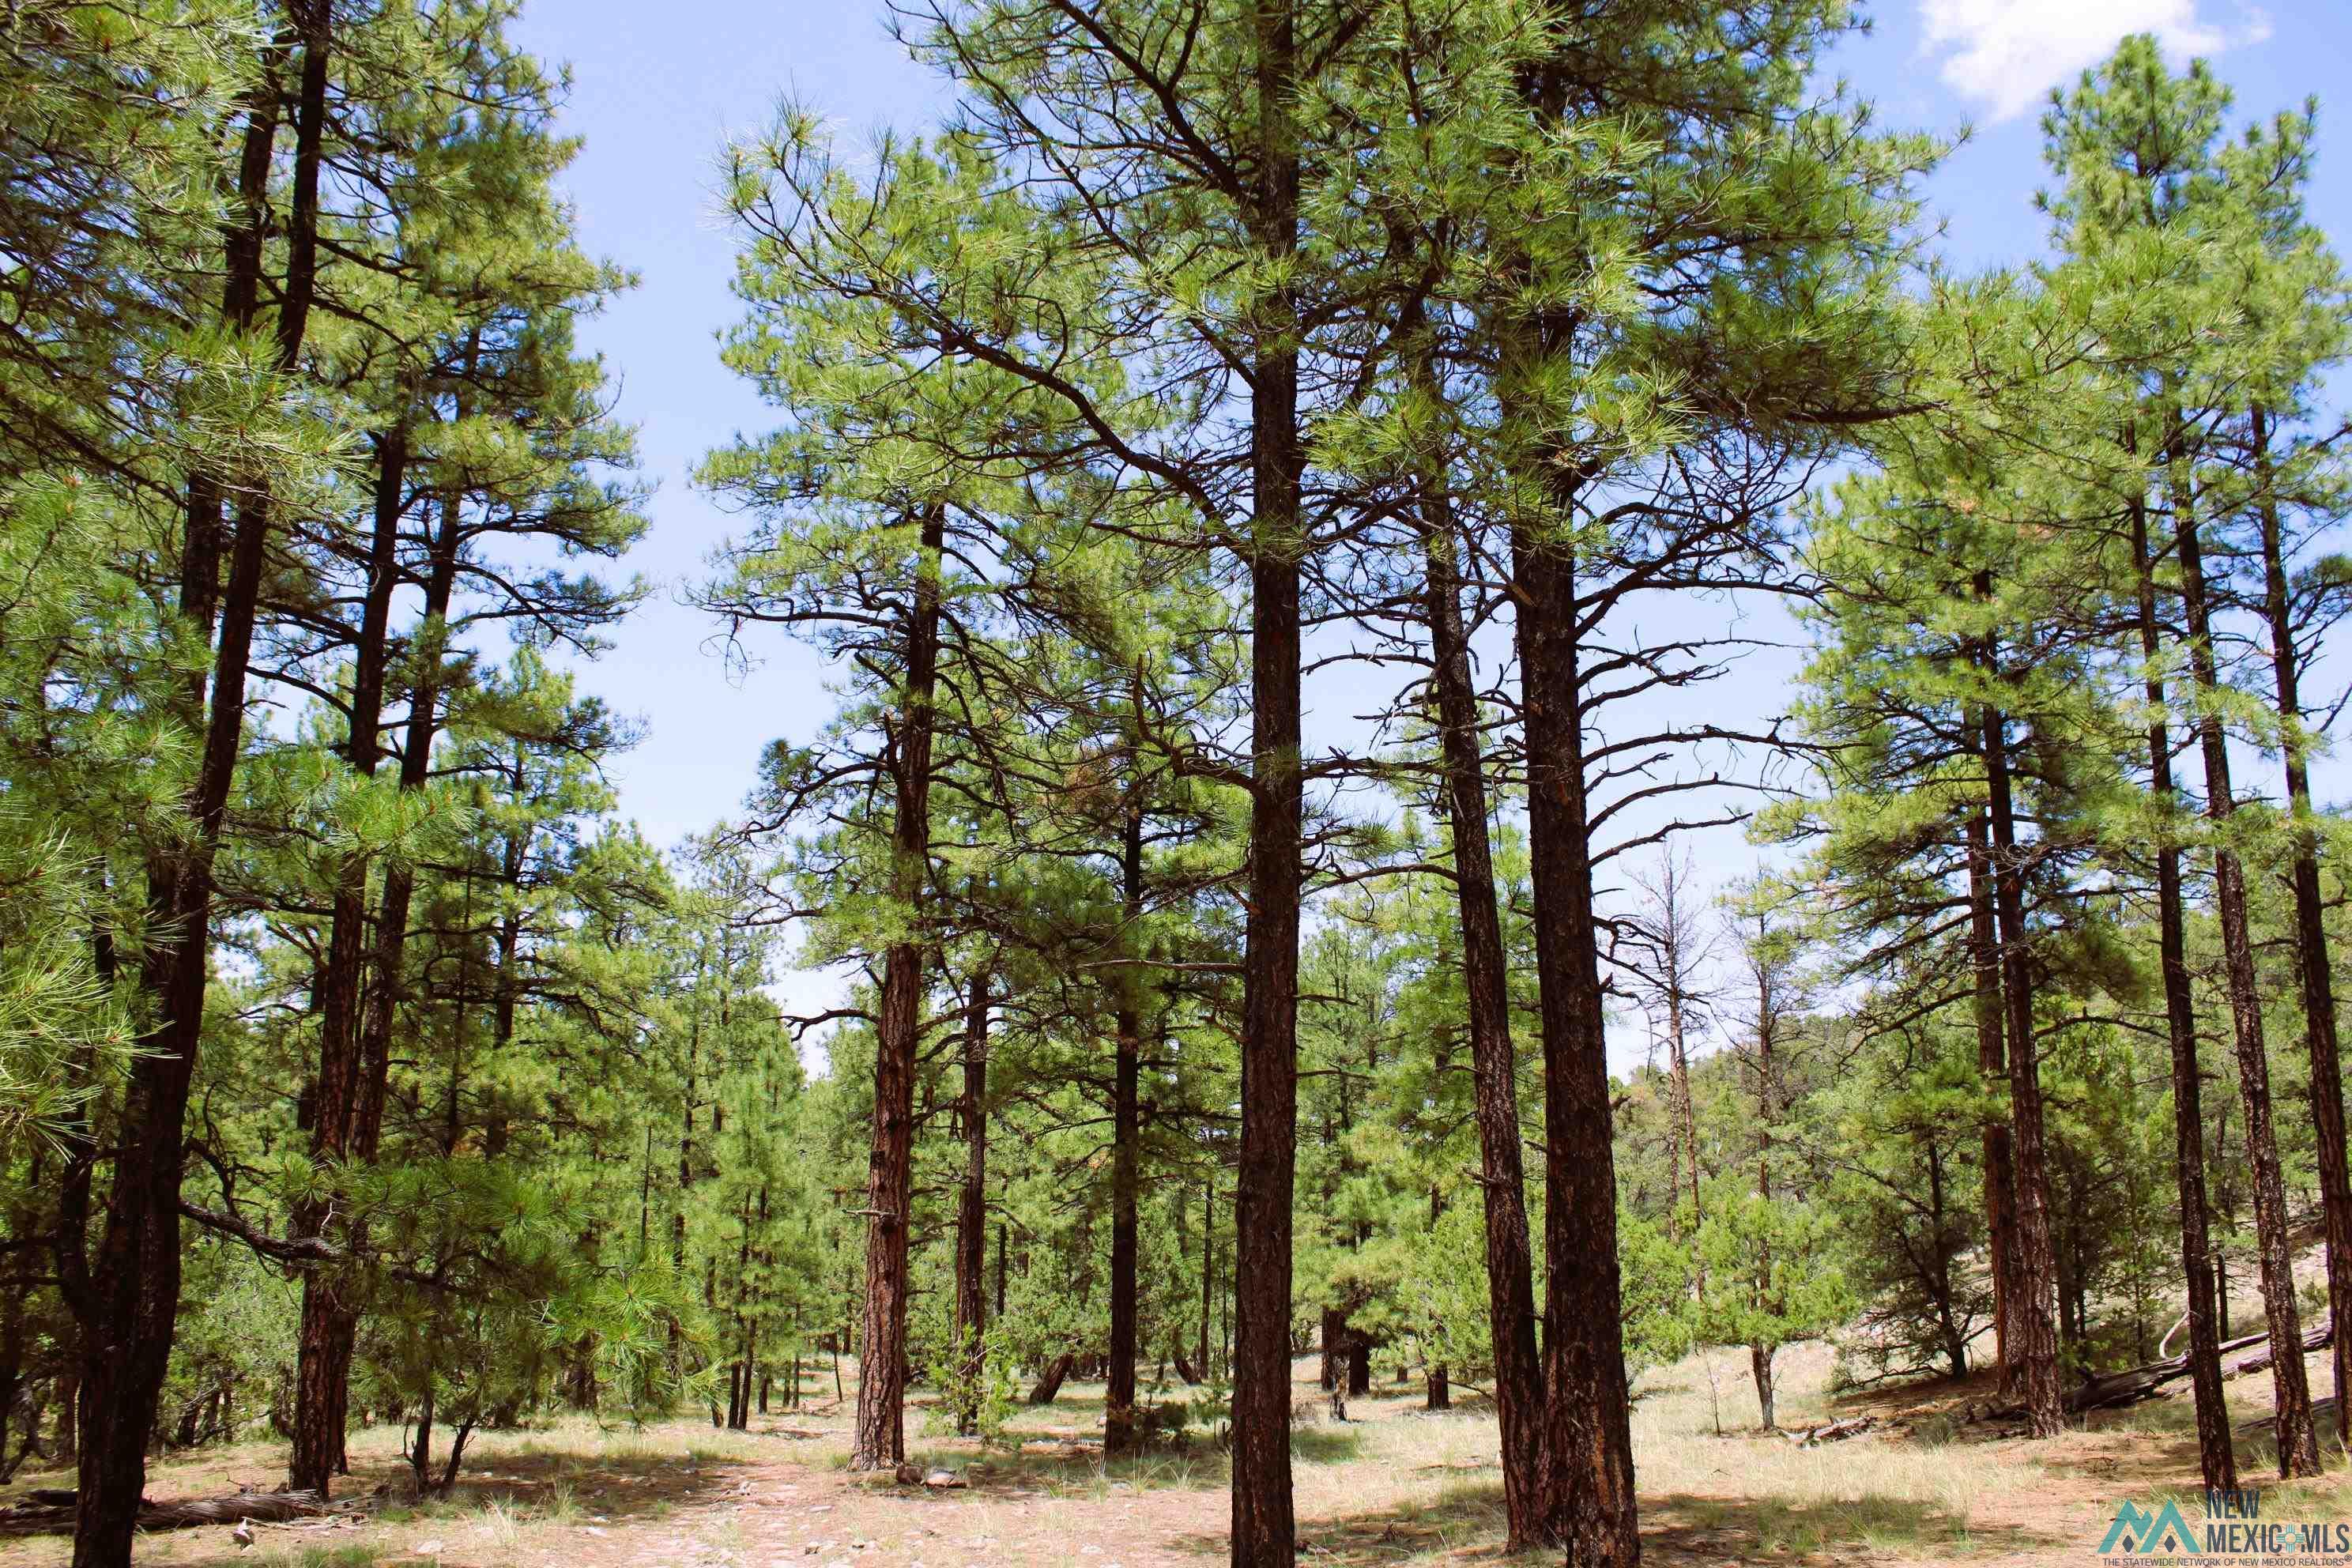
point(258, 1508)
point(2322, 1416)
point(2112, 1389)
point(2318, 1339)
point(1829, 1432)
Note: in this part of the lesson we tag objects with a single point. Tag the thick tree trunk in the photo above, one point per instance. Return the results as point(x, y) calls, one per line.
point(972, 1219)
point(1440, 1395)
point(129, 1311)
point(1587, 1439)
point(1510, 1288)
point(1759, 1366)
point(2320, 1035)
point(2216, 1459)
point(880, 1439)
point(1992, 1069)
point(1264, 1532)
point(2298, 1444)
point(1589, 1435)
point(2033, 1329)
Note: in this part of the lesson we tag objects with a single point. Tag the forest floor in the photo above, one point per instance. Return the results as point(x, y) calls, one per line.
point(1393, 1486)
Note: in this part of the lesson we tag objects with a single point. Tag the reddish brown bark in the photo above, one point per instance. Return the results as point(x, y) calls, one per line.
point(971, 1218)
point(2216, 1458)
point(1589, 1440)
point(2318, 984)
point(1264, 1530)
point(1510, 1290)
point(2298, 1446)
point(1993, 1069)
point(880, 1438)
point(2033, 1325)
point(1119, 1397)
point(127, 1300)
point(330, 1323)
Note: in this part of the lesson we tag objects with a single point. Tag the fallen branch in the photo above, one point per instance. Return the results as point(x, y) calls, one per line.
point(1829, 1432)
point(257, 1507)
point(2110, 1390)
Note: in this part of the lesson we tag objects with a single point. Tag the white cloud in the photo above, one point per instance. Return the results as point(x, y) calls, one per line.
point(2006, 54)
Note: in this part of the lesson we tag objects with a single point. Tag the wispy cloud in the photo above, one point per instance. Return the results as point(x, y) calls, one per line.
point(2005, 54)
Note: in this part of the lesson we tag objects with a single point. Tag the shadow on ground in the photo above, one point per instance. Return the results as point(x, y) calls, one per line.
point(1677, 1528)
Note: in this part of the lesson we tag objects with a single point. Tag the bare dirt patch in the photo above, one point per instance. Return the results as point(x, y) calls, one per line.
point(1394, 1486)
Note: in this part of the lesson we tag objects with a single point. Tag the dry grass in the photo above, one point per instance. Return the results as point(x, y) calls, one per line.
point(1393, 1487)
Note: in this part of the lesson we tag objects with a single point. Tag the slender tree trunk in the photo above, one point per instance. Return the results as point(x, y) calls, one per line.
point(1685, 1110)
point(880, 1439)
point(2033, 1329)
point(2215, 1456)
point(1510, 1288)
point(1993, 1069)
point(2298, 1445)
point(2320, 1036)
point(971, 1220)
point(130, 1311)
point(329, 1320)
point(1264, 1532)
point(1208, 1269)
point(1119, 1397)
point(387, 972)
point(1759, 1366)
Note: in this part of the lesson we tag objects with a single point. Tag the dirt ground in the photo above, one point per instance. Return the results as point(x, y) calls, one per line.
point(1392, 1486)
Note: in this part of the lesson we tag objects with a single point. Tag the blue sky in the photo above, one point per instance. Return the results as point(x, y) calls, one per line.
point(658, 88)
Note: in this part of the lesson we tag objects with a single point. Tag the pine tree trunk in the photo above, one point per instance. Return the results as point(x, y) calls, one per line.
point(2298, 1444)
point(129, 1310)
point(1510, 1288)
point(1588, 1443)
point(2031, 1324)
point(1208, 1267)
point(330, 1323)
point(2320, 1035)
point(1265, 1533)
point(2215, 1456)
point(1993, 1069)
point(972, 1220)
point(880, 1440)
point(1119, 1397)
point(1048, 1386)
point(1588, 1434)
point(1759, 1366)
point(387, 969)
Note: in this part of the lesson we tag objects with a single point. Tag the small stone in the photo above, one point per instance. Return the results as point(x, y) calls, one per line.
point(426, 1549)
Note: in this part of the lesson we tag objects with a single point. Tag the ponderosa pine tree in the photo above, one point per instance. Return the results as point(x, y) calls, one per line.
point(2135, 144)
point(1649, 498)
